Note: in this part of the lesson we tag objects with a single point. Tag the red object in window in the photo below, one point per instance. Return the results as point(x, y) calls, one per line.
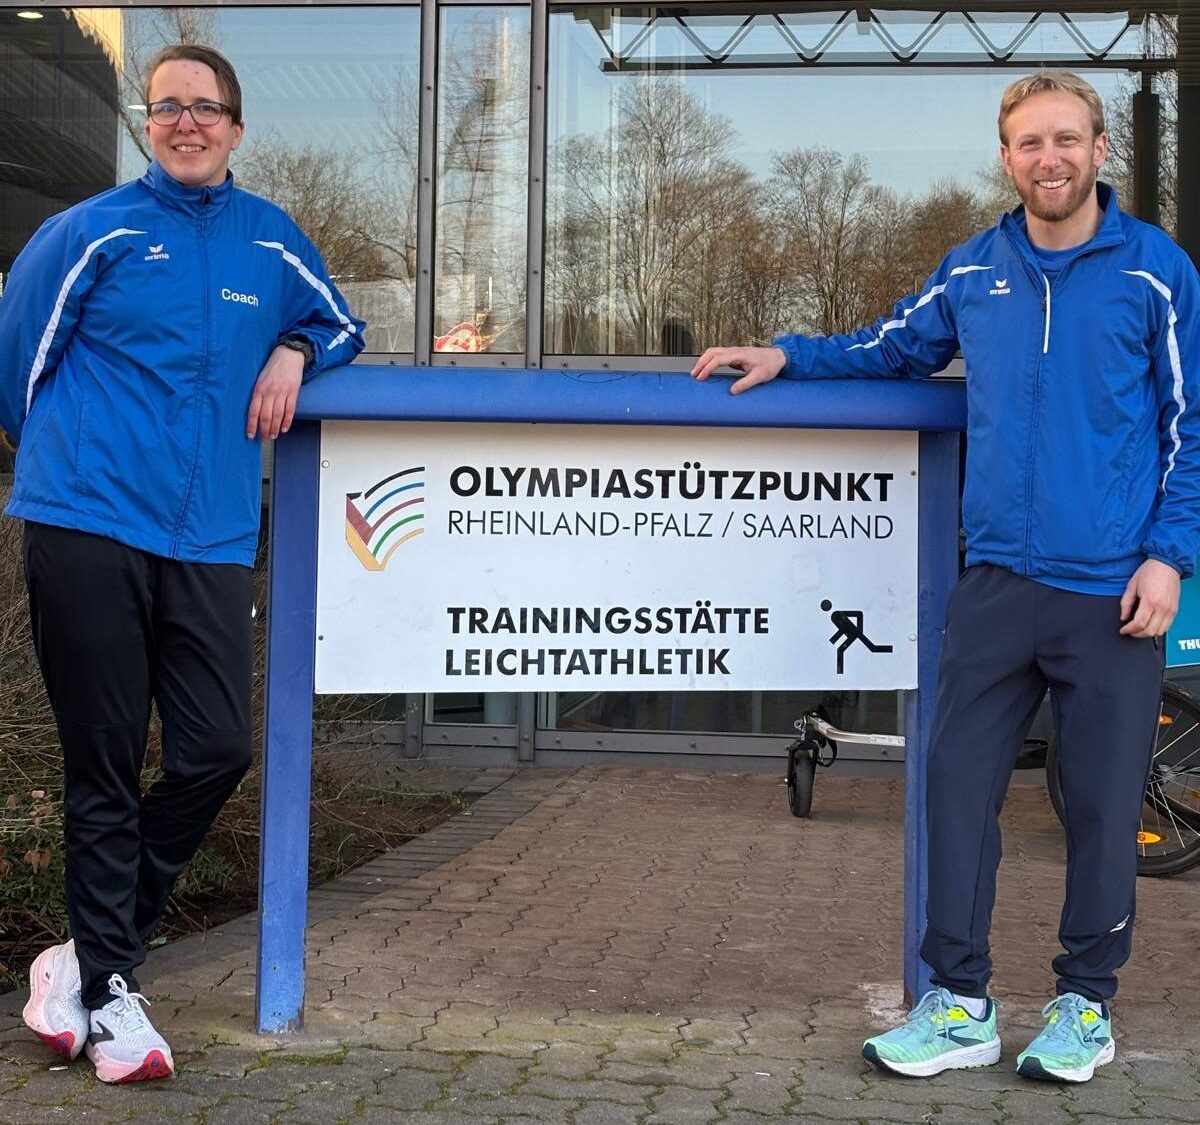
point(463, 337)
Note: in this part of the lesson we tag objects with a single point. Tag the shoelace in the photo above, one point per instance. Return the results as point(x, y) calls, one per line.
point(931, 1006)
point(1068, 1028)
point(126, 1005)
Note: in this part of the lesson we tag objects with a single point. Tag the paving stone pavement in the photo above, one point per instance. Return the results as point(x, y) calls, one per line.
point(611, 945)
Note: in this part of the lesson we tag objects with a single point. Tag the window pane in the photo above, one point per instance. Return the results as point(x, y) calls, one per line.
point(681, 214)
point(721, 712)
point(58, 112)
point(483, 178)
point(494, 708)
point(330, 99)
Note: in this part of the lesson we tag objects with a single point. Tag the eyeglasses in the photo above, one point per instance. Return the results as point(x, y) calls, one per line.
point(203, 113)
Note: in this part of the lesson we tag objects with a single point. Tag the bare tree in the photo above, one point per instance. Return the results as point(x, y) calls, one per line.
point(324, 192)
point(740, 285)
point(577, 255)
point(653, 224)
point(674, 185)
point(651, 198)
point(947, 214)
point(997, 193)
point(834, 218)
point(398, 112)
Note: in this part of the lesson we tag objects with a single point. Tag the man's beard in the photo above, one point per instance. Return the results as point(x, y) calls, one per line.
point(1056, 211)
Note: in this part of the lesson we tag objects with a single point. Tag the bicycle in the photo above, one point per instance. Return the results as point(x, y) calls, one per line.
point(1168, 837)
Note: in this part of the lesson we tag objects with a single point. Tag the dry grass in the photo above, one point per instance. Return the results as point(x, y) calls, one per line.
point(356, 813)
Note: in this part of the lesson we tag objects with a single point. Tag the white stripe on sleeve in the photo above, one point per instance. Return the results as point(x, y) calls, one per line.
point(935, 291)
point(1176, 364)
point(348, 325)
point(39, 360)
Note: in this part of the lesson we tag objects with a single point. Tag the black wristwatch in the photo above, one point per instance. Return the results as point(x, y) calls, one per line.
point(299, 344)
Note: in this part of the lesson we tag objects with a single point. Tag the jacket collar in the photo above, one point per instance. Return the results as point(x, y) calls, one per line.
point(190, 200)
point(1109, 233)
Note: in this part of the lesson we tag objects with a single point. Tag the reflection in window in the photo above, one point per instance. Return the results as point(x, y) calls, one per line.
point(482, 186)
point(58, 115)
point(679, 214)
point(719, 712)
point(330, 99)
point(1161, 36)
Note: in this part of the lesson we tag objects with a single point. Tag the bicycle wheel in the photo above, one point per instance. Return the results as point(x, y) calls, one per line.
point(1168, 838)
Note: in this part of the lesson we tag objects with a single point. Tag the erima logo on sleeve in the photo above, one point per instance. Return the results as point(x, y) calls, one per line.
point(157, 254)
point(1001, 287)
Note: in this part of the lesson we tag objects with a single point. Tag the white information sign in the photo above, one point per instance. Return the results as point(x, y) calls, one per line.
point(520, 557)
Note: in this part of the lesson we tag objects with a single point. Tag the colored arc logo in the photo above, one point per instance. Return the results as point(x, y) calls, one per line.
point(385, 517)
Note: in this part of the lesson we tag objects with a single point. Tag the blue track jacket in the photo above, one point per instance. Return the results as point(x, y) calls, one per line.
point(132, 331)
point(1083, 396)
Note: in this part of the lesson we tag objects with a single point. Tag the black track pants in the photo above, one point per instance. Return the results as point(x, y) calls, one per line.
point(115, 628)
point(1007, 640)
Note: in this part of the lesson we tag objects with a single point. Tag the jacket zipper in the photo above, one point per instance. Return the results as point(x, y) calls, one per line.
point(1033, 420)
point(1046, 307)
point(202, 374)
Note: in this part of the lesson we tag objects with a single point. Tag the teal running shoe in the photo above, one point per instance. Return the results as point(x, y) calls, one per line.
point(1075, 1040)
point(938, 1035)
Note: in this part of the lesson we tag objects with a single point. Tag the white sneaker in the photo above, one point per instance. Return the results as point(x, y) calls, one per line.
point(55, 1012)
point(123, 1043)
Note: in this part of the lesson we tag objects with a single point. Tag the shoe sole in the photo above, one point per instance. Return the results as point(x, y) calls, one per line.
point(1035, 1068)
point(965, 1058)
point(154, 1065)
point(62, 1043)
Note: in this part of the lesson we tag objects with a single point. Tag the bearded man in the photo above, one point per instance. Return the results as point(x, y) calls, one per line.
point(1080, 331)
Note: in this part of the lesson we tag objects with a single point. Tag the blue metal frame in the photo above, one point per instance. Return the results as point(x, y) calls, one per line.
point(935, 408)
point(287, 729)
point(429, 394)
point(937, 571)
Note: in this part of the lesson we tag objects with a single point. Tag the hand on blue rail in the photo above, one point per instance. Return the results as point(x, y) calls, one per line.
point(1151, 600)
point(758, 365)
point(274, 402)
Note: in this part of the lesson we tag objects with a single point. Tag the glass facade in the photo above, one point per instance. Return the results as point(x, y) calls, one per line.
point(700, 174)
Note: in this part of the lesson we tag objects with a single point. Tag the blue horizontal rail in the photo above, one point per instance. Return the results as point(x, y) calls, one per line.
point(438, 394)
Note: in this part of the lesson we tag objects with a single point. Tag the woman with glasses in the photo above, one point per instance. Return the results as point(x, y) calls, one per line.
point(150, 339)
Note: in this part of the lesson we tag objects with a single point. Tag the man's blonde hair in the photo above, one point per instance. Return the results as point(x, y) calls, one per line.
point(1046, 81)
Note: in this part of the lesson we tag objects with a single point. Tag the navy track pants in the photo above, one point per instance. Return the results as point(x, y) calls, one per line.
point(1007, 640)
point(115, 628)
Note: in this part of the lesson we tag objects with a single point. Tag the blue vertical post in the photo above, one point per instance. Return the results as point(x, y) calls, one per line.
point(937, 571)
point(287, 739)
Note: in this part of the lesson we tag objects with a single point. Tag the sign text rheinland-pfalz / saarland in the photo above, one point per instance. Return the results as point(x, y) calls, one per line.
point(496, 557)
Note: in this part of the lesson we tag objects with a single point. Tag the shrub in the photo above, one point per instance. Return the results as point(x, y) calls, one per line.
point(357, 809)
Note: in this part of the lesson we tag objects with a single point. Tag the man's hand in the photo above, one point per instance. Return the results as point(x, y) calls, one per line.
point(759, 365)
point(1150, 601)
point(274, 400)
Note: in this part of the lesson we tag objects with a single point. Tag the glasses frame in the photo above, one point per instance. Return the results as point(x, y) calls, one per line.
point(189, 110)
